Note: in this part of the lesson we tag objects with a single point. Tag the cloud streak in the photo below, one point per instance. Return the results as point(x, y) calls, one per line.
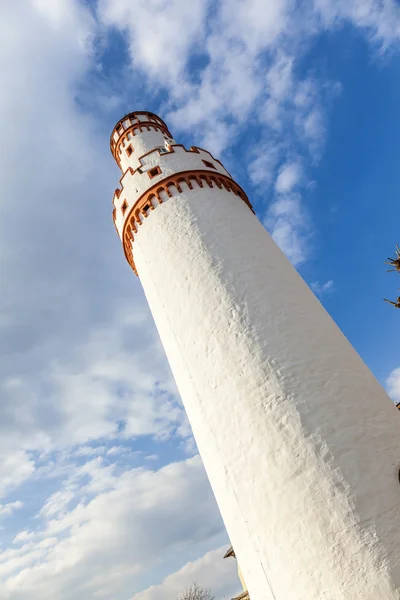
point(86, 391)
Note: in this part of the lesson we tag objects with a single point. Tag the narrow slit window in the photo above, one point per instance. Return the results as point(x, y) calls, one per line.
point(154, 172)
point(129, 150)
point(124, 207)
point(209, 164)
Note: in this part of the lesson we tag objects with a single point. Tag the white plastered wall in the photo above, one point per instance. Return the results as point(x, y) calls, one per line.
point(300, 442)
point(141, 143)
point(177, 160)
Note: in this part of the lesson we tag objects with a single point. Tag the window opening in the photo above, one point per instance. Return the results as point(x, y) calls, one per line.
point(209, 164)
point(124, 207)
point(154, 172)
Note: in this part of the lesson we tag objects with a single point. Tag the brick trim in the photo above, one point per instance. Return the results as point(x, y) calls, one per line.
point(144, 204)
point(148, 125)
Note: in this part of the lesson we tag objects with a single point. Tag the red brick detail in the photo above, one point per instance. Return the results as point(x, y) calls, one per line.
point(115, 146)
point(145, 204)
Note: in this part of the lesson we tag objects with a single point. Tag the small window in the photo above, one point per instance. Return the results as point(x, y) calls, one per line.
point(129, 150)
point(124, 207)
point(209, 164)
point(154, 172)
point(146, 208)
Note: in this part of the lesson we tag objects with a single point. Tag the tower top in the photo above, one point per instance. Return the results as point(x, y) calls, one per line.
point(141, 120)
point(155, 169)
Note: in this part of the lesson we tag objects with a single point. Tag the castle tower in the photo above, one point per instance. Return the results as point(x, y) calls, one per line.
point(300, 442)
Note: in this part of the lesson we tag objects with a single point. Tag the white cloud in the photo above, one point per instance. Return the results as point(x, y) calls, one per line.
point(42, 64)
point(211, 571)
point(23, 536)
point(56, 504)
point(152, 457)
point(176, 26)
point(107, 543)
point(321, 288)
point(81, 366)
point(15, 467)
point(287, 222)
point(289, 177)
point(263, 164)
point(393, 385)
point(117, 450)
point(381, 20)
point(8, 509)
point(88, 382)
point(250, 75)
point(64, 15)
point(90, 450)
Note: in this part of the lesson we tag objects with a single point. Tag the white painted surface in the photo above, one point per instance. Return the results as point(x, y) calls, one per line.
point(141, 144)
point(180, 159)
point(300, 442)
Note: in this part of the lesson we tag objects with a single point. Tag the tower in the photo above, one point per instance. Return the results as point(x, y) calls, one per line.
point(300, 443)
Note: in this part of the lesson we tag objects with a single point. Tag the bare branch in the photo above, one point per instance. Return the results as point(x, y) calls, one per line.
point(195, 592)
point(394, 262)
point(395, 304)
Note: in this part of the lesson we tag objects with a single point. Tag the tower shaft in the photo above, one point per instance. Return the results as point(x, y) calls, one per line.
point(299, 441)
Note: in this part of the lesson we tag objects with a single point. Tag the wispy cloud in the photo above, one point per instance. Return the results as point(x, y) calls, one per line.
point(83, 378)
point(393, 385)
point(171, 509)
point(321, 288)
point(249, 73)
point(8, 509)
point(380, 20)
point(289, 177)
point(177, 29)
point(210, 571)
point(288, 223)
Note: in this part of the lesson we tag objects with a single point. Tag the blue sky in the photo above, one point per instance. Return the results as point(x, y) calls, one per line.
point(102, 492)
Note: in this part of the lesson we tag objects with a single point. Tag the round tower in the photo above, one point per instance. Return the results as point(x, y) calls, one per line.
point(300, 443)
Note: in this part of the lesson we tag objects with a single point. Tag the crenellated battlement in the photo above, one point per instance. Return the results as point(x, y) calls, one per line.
point(153, 167)
point(183, 182)
point(136, 133)
point(306, 482)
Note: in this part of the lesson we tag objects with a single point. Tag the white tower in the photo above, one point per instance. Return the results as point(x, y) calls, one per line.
point(300, 442)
